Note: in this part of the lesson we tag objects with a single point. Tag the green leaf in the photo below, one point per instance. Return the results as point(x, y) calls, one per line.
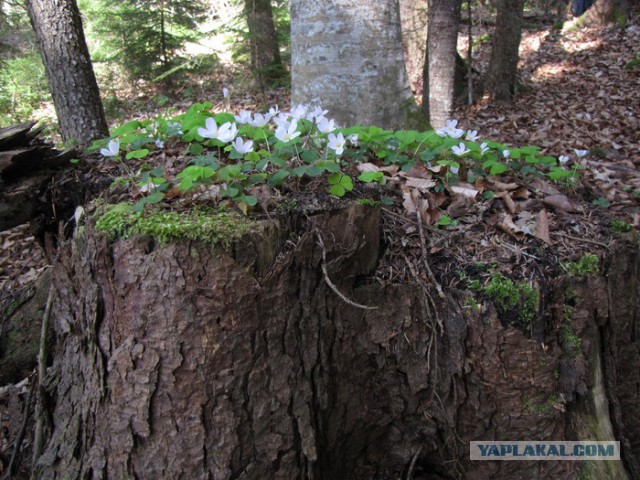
point(337, 190)
point(230, 172)
point(196, 149)
point(235, 155)
point(137, 154)
point(371, 177)
point(252, 157)
point(249, 200)
point(232, 192)
point(497, 168)
point(602, 202)
point(277, 178)
point(309, 156)
point(558, 173)
point(155, 197)
point(428, 155)
point(445, 221)
point(126, 128)
point(334, 178)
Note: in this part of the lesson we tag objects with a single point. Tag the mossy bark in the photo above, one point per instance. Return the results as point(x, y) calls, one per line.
point(188, 361)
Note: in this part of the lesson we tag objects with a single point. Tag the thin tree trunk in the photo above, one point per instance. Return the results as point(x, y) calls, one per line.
point(502, 76)
point(76, 97)
point(265, 51)
point(438, 93)
point(414, 20)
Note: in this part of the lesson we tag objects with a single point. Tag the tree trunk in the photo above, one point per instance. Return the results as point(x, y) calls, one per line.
point(502, 75)
point(347, 57)
point(414, 18)
point(265, 51)
point(604, 12)
point(58, 29)
point(183, 361)
point(440, 67)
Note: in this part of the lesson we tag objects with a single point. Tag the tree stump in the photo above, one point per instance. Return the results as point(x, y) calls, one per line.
point(190, 361)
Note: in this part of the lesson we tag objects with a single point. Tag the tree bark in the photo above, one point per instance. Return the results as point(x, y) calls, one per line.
point(347, 57)
point(502, 76)
point(414, 19)
point(76, 97)
point(604, 12)
point(183, 361)
point(440, 67)
point(265, 51)
point(27, 165)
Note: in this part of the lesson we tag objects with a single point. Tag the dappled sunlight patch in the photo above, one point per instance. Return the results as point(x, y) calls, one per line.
point(550, 71)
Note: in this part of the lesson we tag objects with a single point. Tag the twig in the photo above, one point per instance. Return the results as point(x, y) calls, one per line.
point(412, 465)
point(578, 239)
point(425, 258)
point(42, 370)
point(397, 215)
point(427, 299)
point(20, 437)
point(330, 283)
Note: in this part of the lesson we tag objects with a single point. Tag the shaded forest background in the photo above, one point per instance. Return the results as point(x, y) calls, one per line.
point(158, 56)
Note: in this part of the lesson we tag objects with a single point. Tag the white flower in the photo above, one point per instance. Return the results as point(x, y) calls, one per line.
point(281, 119)
point(453, 169)
point(325, 125)
point(472, 135)
point(484, 148)
point(353, 138)
point(159, 144)
point(450, 130)
point(260, 120)
point(563, 159)
point(225, 133)
point(581, 153)
point(336, 142)
point(460, 150)
point(286, 133)
point(112, 149)
point(243, 117)
point(298, 112)
point(316, 113)
point(242, 146)
point(273, 111)
point(506, 153)
point(225, 92)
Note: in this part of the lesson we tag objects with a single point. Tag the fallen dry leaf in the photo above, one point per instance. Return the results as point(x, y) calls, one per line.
point(542, 227)
point(562, 202)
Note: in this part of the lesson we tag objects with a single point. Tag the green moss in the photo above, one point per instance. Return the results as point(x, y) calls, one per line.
point(620, 226)
point(587, 265)
point(509, 295)
point(368, 202)
point(120, 221)
point(544, 408)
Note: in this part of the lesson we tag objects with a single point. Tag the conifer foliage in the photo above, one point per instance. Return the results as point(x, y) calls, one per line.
point(144, 36)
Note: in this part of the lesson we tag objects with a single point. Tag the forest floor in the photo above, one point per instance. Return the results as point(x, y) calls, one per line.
point(581, 91)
